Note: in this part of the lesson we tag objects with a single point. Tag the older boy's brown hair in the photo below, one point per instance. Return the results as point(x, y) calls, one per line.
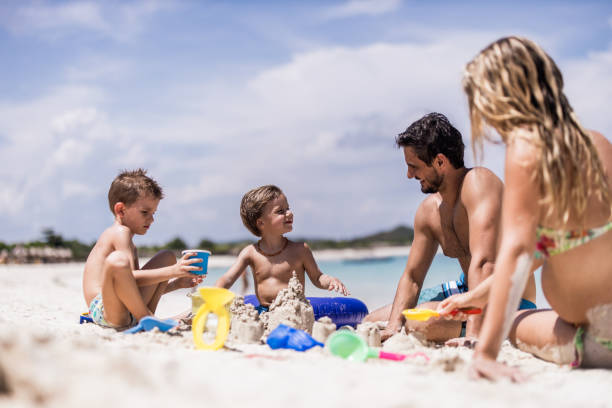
point(129, 186)
point(253, 203)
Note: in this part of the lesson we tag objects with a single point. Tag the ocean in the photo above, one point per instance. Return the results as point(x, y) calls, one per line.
point(373, 280)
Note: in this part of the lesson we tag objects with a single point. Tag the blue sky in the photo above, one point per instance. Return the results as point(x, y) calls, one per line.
point(215, 98)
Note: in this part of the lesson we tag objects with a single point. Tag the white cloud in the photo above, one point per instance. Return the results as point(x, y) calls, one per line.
point(588, 85)
point(72, 189)
point(94, 68)
point(114, 19)
point(362, 7)
point(321, 126)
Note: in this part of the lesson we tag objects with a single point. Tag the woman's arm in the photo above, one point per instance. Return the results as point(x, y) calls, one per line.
point(520, 212)
point(481, 194)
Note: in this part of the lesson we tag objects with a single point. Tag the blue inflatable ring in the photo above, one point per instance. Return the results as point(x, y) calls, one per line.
point(343, 311)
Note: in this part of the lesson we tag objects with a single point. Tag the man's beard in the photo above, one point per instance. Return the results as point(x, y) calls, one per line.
point(433, 185)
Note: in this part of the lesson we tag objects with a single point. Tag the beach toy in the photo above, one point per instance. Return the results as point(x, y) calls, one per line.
point(148, 323)
point(216, 301)
point(344, 311)
point(200, 254)
point(425, 314)
point(290, 338)
point(84, 318)
point(350, 346)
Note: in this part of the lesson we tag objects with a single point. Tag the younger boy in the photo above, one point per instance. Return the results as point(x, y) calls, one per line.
point(273, 259)
point(119, 293)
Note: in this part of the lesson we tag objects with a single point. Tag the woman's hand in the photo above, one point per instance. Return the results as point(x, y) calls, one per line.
point(492, 370)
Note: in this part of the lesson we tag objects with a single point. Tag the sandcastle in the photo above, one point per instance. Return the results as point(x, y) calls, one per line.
point(290, 307)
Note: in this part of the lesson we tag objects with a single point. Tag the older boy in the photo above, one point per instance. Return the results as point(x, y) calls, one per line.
point(118, 292)
point(273, 259)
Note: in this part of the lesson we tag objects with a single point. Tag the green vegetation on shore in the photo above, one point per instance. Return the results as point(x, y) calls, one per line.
point(78, 251)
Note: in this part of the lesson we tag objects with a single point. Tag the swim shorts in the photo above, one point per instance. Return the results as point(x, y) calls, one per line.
point(440, 292)
point(96, 312)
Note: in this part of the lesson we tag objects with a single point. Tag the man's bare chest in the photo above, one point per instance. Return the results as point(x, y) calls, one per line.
point(453, 231)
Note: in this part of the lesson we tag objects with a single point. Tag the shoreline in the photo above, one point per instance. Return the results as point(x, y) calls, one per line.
point(346, 254)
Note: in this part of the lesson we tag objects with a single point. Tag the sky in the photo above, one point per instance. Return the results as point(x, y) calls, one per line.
point(215, 98)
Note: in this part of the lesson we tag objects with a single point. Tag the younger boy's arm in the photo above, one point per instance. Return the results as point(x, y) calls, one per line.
point(318, 278)
point(227, 280)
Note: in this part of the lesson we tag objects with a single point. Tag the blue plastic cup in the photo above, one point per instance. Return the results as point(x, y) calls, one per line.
point(201, 254)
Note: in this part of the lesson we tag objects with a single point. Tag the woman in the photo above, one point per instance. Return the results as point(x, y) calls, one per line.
point(556, 208)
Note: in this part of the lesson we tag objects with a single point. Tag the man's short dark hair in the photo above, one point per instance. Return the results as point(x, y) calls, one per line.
point(433, 134)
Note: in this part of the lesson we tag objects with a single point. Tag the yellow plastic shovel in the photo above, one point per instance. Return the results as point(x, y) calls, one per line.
point(425, 314)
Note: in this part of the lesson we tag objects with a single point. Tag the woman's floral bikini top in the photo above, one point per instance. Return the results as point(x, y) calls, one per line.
point(552, 242)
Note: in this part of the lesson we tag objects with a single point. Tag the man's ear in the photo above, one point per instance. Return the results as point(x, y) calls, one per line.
point(119, 209)
point(259, 223)
point(440, 160)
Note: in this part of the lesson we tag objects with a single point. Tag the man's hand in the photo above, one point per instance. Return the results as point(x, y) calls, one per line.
point(389, 331)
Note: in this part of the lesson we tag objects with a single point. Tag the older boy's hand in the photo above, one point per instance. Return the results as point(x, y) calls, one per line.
point(184, 265)
point(189, 282)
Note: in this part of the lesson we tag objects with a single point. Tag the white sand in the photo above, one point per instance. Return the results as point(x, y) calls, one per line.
point(50, 360)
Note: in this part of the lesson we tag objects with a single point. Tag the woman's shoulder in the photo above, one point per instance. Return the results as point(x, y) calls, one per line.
point(603, 147)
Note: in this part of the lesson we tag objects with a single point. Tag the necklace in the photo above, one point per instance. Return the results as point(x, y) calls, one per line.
point(275, 253)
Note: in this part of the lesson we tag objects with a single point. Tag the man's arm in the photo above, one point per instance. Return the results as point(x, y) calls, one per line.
point(228, 278)
point(422, 252)
point(482, 197)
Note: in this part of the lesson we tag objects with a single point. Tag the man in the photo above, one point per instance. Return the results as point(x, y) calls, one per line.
point(461, 215)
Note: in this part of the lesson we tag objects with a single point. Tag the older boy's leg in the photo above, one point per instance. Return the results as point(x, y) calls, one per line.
point(152, 293)
point(438, 330)
point(120, 292)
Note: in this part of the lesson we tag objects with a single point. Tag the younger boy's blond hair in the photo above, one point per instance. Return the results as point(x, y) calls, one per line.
point(130, 185)
point(253, 203)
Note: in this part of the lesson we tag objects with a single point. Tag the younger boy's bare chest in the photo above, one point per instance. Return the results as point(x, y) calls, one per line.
point(277, 267)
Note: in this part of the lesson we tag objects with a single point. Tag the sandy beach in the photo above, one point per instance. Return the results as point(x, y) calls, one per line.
point(48, 359)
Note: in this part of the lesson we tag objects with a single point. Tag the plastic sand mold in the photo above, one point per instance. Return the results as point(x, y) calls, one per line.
point(290, 338)
point(148, 323)
point(350, 346)
point(216, 301)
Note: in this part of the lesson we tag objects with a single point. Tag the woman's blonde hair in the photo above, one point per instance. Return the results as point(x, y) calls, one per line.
point(513, 83)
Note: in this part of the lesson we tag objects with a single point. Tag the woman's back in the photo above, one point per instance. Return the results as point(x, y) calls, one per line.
point(579, 278)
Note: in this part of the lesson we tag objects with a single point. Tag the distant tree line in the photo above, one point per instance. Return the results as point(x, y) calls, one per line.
point(400, 235)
